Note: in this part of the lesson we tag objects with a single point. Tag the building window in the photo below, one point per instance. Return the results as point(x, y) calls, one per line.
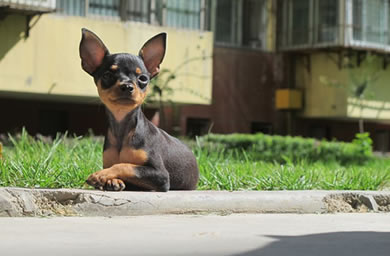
point(300, 21)
point(137, 10)
point(183, 14)
point(71, 7)
point(327, 21)
point(189, 14)
point(370, 21)
point(225, 16)
point(340, 23)
point(357, 19)
point(296, 21)
point(254, 23)
point(104, 8)
point(134, 10)
point(240, 23)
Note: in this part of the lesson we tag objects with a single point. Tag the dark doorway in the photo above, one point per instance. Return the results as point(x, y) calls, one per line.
point(197, 126)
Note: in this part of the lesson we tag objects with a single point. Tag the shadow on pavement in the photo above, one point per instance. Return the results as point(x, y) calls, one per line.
point(327, 244)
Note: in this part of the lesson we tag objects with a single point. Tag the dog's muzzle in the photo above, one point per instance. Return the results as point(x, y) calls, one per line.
point(126, 87)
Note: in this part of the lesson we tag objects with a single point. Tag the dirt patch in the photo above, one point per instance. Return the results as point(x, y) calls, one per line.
point(383, 202)
point(57, 203)
point(47, 207)
point(355, 202)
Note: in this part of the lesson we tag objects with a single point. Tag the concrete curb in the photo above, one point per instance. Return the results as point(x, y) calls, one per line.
point(72, 202)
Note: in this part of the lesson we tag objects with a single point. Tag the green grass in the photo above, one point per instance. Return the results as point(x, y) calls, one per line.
point(66, 163)
point(62, 163)
point(228, 173)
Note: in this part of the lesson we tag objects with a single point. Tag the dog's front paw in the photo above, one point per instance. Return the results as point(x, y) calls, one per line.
point(106, 180)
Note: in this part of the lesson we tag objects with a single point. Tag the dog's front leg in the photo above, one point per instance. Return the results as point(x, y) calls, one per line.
point(115, 177)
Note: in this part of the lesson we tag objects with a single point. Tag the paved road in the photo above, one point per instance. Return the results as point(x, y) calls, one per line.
point(241, 234)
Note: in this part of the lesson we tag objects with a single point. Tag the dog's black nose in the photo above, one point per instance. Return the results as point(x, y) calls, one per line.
point(126, 87)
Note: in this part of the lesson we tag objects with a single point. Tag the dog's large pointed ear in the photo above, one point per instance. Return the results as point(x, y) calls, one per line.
point(92, 51)
point(152, 53)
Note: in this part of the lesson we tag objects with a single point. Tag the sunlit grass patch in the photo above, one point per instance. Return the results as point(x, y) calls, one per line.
point(63, 162)
point(66, 162)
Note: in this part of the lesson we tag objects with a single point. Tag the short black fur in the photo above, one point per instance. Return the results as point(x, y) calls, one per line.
point(169, 165)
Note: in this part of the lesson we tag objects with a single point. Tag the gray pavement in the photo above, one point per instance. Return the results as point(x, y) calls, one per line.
point(238, 234)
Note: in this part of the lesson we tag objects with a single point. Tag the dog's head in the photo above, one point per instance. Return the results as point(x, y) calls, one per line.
point(121, 79)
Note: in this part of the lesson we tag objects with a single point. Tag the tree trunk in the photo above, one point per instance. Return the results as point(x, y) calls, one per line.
point(361, 121)
point(361, 125)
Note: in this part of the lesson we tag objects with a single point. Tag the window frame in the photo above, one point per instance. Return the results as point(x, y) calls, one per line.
point(316, 27)
point(202, 16)
point(363, 43)
point(237, 35)
point(262, 25)
point(285, 42)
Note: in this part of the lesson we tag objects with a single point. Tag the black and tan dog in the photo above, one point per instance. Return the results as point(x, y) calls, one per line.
point(137, 155)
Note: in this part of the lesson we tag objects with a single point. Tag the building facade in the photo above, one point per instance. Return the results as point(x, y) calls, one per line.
point(42, 85)
point(315, 68)
point(302, 67)
point(338, 52)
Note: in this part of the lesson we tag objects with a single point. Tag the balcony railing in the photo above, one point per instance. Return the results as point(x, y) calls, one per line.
point(188, 14)
point(27, 6)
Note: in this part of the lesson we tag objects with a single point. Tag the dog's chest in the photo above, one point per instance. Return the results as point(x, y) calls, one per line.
point(123, 152)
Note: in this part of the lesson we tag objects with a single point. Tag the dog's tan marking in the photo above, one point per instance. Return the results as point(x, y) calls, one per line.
point(127, 154)
point(138, 71)
point(119, 172)
point(139, 95)
point(111, 154)
point(123, 171)
point(129, 137)
point(127, 173)
point(133, 156)
point(110, 157)
point(114, 67)
point(111, 138)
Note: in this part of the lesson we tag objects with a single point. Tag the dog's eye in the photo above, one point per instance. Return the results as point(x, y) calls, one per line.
point(143, 81)
point(108, 76)
point(108, 80)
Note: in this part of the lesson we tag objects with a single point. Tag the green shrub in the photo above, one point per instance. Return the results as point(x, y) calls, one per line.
point(290, 149)
point(364, 142)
